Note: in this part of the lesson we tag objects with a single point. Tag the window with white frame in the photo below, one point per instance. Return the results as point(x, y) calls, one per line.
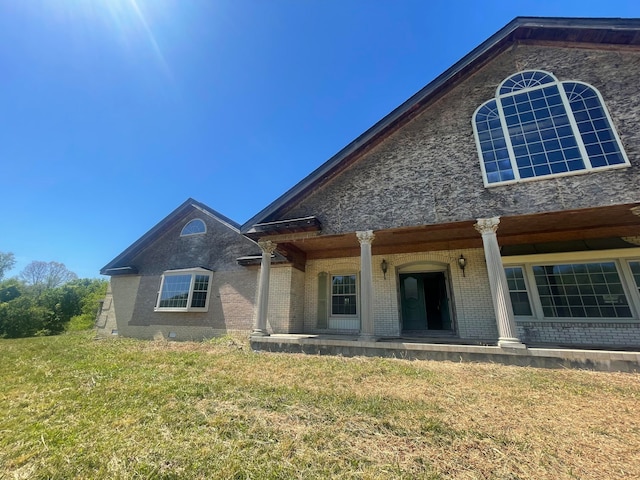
point(344, 295)
point(184, 291)
point(587, 290)
point(635, 270)
point(537, 126)
point(518, 291)
point(194, 227)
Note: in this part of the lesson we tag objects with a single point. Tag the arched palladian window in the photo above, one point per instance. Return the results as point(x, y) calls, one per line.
point(194, 227)
point(537, 126)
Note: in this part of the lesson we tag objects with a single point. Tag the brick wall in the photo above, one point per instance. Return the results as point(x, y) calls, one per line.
point(286, 291)
point(617, 335)
point(233, 288)
point(470, 295)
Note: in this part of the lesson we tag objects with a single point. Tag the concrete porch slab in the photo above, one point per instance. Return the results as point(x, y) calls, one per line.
point(351, 346)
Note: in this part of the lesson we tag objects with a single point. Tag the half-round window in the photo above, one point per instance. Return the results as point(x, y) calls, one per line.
point(194, 227)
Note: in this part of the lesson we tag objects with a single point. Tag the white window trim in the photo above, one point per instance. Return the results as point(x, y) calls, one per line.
point(182, 234)
point(344, 315)
point(576, 133)
point(336, 321)
point(620, 257)
point(186, 271)
point(528, 291)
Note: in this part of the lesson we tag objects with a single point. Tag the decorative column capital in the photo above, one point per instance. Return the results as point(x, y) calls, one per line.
point(487, 225)
point(365, 237)
point(267, 246)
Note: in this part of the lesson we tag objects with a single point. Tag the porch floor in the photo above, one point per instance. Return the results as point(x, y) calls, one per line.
point(450, 349)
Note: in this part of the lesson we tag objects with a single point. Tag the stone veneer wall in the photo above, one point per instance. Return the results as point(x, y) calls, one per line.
point(470, 295)
point(428, 172)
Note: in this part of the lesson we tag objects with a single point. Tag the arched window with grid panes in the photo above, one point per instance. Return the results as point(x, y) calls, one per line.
point(537, 126)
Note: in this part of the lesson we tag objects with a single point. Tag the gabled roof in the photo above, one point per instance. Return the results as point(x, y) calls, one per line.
point(119, 265)
point(598, 31)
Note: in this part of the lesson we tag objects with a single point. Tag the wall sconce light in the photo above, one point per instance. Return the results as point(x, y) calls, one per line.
point(462, 263)
point(384, 266)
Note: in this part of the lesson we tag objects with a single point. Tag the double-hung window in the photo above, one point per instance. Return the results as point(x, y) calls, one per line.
point(343, 295)
point(184, 291)
point(537, 126)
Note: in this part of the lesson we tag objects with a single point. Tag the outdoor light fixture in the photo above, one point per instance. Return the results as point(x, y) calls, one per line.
point(462, 263)
point(384, 266)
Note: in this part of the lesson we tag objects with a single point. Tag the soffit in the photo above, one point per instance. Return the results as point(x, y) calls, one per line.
point(592, 223)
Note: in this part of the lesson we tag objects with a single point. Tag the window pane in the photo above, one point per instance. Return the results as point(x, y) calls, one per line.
point(592, 290)
point(594, 126)
point(175, 291)
point(343, 295)
point(518, 291)
point(194, 227)
point(492, 144)
point(200, 287)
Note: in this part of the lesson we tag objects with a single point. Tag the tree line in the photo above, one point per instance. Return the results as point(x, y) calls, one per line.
point(46, 298)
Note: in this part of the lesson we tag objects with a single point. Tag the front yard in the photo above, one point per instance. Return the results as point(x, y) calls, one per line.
point(74, 407)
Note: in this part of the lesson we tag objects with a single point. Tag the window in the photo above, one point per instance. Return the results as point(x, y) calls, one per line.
point(635, 270)
point(518, 291)
point(184, 290)
point(343, 295)
point(537, 126)
point(194, 227)
point(592, 290)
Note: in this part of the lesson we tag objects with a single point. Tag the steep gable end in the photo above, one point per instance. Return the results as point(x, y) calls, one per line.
point(188, 220)
point(321, 185)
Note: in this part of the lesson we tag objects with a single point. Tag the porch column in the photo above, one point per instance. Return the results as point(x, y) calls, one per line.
point(260, 326)
point(508, 335)
point(367, 328)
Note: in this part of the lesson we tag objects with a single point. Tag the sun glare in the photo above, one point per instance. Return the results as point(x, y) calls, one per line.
point(126, 20)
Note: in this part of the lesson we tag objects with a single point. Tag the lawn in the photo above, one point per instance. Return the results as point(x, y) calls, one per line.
point(74, 407)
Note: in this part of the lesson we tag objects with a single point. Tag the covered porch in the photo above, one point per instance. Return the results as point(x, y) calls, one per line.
point(459, 264)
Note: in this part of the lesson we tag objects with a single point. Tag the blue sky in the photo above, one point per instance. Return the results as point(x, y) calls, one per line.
point(113, 112)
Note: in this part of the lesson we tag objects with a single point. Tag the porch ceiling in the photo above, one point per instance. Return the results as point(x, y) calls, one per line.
point(602, 222)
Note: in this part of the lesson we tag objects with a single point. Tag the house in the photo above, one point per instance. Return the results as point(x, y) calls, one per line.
point(497, 206)
point(181, 279)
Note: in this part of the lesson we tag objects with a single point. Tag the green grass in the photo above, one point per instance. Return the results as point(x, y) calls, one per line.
point(73, 407)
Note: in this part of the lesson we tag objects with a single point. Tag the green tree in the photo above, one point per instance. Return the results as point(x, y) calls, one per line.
point(7, 261)
point(23, 317)
point(93, 292)
point(26, 311)
point(10, 289)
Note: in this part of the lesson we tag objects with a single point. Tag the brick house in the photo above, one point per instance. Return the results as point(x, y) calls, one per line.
point(499, 205)
point(181, 279)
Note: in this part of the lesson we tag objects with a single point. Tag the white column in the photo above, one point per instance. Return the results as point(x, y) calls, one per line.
point(367, 328)
point(508, 335)
point(260, 326)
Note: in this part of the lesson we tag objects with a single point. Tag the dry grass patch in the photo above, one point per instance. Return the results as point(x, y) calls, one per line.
point(71, 407)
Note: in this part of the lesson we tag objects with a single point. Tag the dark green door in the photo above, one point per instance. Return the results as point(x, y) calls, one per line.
point(414, 312)
point(425, 302)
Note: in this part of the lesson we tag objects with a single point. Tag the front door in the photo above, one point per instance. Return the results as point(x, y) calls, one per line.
point(425, 302)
